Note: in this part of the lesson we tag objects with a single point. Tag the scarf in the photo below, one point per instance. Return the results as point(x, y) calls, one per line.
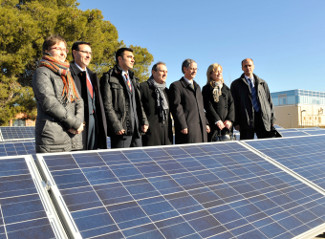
point(161, 101)
point(216, 92)
point(62, 69)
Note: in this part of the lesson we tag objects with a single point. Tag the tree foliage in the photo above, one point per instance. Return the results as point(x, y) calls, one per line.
point(24, 24)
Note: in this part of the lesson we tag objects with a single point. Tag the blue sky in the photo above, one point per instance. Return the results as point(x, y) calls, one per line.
point(285, 38)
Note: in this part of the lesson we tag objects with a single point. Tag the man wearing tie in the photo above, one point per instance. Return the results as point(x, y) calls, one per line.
point(186, 103)
point(253, 104)
point(94, 135)
point(125, 116)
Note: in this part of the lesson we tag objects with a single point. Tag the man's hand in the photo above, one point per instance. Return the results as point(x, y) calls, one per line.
point(220, 124)
point(228, 124)
point(77, 131)
point(184, 131)
point(208, 129)
point(144, 128)
point(120, 132)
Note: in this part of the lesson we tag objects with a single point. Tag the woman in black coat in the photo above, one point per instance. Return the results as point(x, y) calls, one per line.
point(219, 105)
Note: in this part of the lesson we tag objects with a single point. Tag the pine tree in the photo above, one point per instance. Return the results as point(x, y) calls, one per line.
point(24, 24)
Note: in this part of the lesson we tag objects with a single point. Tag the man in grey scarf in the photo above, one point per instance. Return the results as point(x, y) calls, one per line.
point(154, 96)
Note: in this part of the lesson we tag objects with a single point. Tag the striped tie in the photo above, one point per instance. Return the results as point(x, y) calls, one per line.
point(128, 82)
point(90, 87)
point(254, 97)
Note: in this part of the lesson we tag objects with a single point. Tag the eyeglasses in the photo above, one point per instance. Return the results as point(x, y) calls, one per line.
point(60, 49)
point(192, 69)
point(86, 52)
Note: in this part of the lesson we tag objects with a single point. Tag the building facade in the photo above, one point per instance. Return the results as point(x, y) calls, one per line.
point(299, 108)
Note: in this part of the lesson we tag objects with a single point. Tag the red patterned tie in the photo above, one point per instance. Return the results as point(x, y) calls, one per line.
point(128, 82)
point(90, 87)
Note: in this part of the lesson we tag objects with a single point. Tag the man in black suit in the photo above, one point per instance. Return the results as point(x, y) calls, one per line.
point(122, 102)
point(187, 107)
point(94, 135)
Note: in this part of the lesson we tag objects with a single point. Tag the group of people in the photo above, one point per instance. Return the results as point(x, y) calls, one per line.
point(77, 111)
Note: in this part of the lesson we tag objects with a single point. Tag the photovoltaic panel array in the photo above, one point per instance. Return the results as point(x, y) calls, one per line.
point(17, 133)
point(303, 155)
point(22, 214)
point(220, 190)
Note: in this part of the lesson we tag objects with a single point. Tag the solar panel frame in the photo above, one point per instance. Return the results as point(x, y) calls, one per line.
point(26, 208)
point(134, 194)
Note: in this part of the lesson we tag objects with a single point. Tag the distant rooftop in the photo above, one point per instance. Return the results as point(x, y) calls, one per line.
point(294, 97)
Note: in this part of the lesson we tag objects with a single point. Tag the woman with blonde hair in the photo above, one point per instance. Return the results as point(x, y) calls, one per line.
point(60, 109)
point(218, 104)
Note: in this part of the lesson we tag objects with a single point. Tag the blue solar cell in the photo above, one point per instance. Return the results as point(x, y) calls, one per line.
point(141, 189)
point(36, 228)
point(128, 215)
point(145, 231)
point(83, 160)
point(165, 184)
point(158, 208)
point(99, 175)
point(113, 193)
point(98, 218)
point(114, 158)
point(150, 169)
point(81, 198)
point(175, 228)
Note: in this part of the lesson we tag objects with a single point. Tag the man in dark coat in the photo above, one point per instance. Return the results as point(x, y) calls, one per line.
point(94, 135)
point(253, 104)
point(125, 116)
point(154, 96)
point(186, 104)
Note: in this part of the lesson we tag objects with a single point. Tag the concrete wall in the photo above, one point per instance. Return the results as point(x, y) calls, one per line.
point(296, 116)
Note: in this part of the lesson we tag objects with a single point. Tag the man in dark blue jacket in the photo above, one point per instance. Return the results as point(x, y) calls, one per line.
point(253, 104)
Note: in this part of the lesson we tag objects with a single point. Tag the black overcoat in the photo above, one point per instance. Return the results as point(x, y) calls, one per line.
point(222, 110)
point(187, 108)
point(159, 133)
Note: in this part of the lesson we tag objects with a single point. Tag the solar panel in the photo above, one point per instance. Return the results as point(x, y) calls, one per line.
point(17, 148)
point(316, 132)
point(17, 132)
point(286, 133)
point(215, 190)
point(22, 213)
point(303, 155)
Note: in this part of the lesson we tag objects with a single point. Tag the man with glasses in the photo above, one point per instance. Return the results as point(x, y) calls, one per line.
point(87, 83)
point(122, 102)
point(187, 107)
